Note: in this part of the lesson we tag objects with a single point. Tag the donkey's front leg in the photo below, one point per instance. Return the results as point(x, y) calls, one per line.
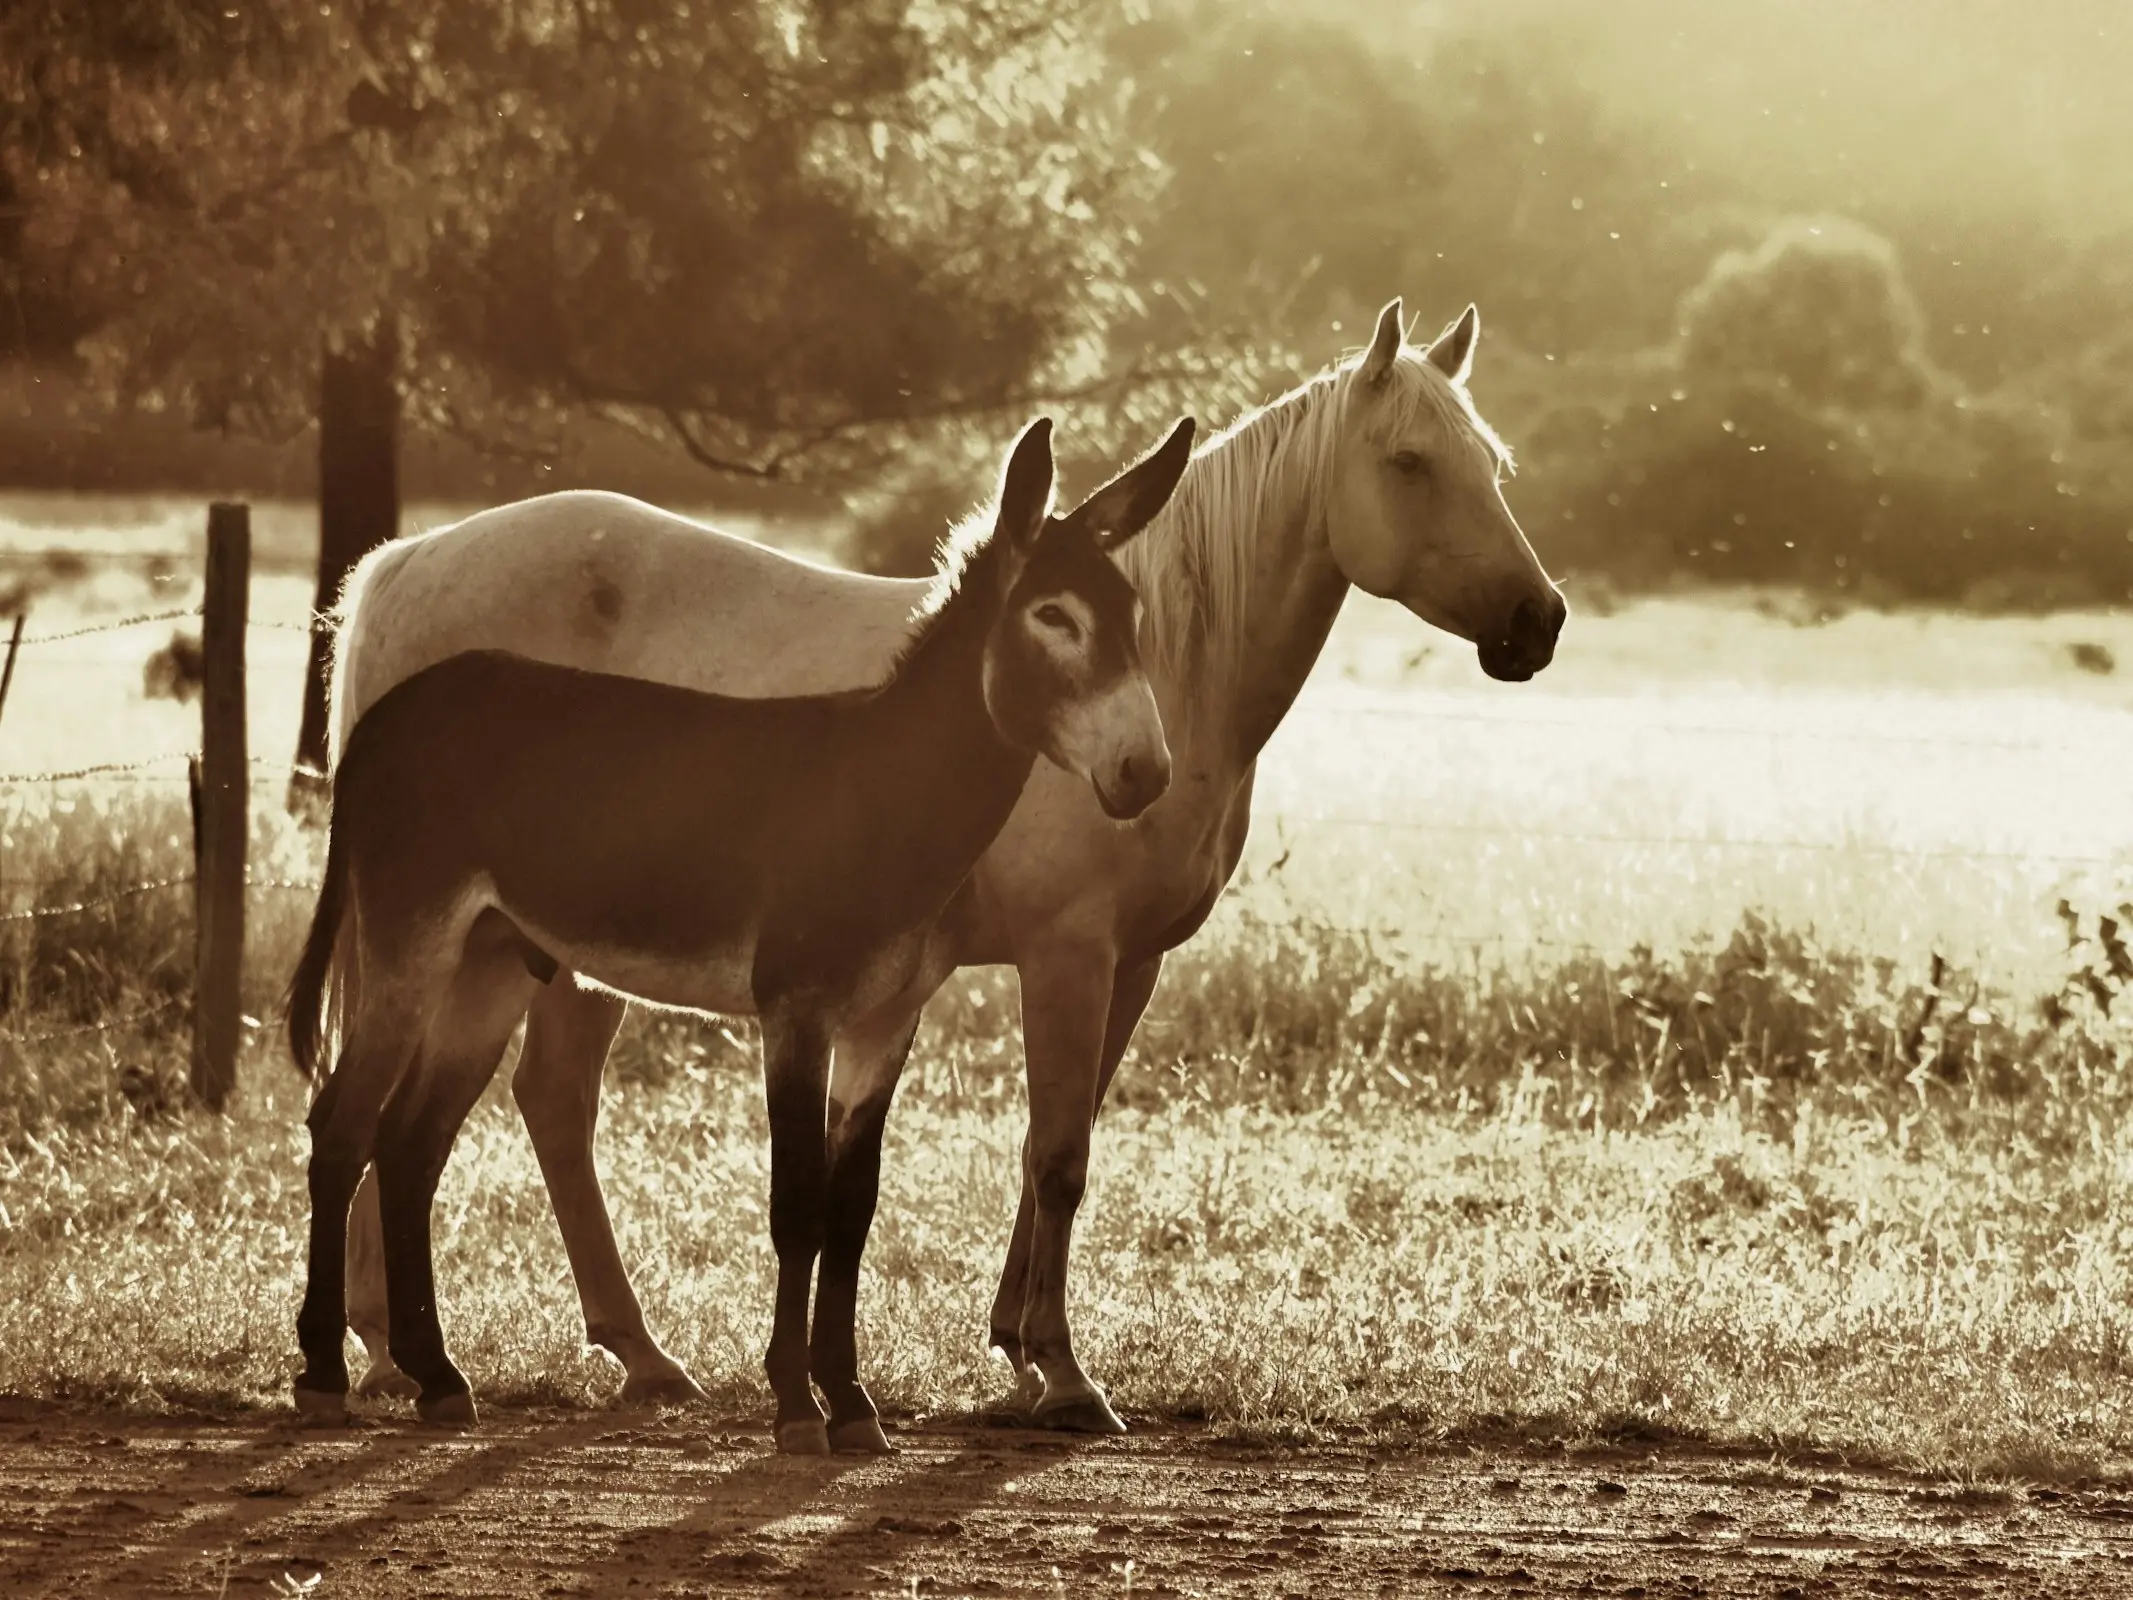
point(796, 1061)
point(869, 1062)
point(1066, 1003)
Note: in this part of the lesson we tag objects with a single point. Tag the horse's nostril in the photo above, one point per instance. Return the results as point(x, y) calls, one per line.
point(1537, 622)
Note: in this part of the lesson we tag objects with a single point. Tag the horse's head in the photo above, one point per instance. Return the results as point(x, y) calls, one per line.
point(1063, 672)
point(1417, 512)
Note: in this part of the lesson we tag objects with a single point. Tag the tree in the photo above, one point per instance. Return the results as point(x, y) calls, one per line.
point(780, 236)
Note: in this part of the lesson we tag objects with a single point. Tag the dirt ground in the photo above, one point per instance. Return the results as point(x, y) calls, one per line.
point(571, 1504)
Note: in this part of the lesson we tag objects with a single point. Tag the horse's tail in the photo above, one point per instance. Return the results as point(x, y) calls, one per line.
point(307, 997)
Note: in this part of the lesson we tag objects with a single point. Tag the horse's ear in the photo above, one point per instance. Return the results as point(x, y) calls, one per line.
point(1026, 486)
point(1130, 501)
point(1384, 346)
point(1453, 352)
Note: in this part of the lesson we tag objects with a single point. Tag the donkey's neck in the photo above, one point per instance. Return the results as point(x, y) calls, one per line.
point(939, 780)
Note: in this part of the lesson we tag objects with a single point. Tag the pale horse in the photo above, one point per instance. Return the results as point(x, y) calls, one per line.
point(1377, 473)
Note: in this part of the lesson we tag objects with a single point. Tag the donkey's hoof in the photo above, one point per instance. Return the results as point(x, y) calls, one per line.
point(859, 1436)
point(384, 1381)
point(1080, 1413)
point(321, 1405)
point(454, 1410)
point(674, 1388)
point(809, 1438)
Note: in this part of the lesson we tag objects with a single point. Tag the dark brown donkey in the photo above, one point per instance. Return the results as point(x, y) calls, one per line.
point(494, 816)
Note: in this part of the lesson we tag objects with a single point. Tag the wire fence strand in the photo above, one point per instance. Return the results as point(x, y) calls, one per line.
point(131, 891)
point(140, 619)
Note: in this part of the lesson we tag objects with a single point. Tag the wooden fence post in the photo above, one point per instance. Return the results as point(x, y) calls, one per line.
point(7, 673)
point(222, 821)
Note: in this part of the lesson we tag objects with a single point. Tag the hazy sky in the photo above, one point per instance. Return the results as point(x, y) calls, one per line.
point(1973, 102)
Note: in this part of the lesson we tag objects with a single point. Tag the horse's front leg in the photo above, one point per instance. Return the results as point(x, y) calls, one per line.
point(1066, 1003)
point(1131, 989)
point(796, 1062)
point(569, 1031)
point(869, 1062)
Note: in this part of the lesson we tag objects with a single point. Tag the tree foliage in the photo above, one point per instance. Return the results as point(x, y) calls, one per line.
point(770, 230)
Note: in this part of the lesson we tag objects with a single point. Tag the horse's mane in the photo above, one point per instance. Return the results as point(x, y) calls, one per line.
point(1193, 567)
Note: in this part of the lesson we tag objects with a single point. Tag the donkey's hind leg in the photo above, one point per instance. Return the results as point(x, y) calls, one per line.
point(465, 1041)
point(869, 1062)
point(344, 1127)
point(796, 1060)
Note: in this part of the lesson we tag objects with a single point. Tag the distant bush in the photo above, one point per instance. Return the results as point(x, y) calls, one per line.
point(1796, 432)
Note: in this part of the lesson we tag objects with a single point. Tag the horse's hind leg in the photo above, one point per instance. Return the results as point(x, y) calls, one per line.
point(557, 1087)
point(796, 1059)
point(369, 1317)
point(460, 1052)
point(869, 1062)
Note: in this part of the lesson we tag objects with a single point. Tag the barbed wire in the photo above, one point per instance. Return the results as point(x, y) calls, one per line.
point(132, 1020)
point(97, 769)
point(131, 891)
point(131, 771)
point(140, 619)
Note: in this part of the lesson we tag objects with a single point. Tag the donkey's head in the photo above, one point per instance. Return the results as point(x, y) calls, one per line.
point(1063, 670)
point(1418, 515)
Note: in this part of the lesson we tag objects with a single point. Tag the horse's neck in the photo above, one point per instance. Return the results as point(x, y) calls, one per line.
point(1246, 674)
point(1293, 601)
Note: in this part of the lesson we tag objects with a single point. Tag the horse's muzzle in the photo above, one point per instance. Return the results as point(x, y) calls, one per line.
point(1527, 642)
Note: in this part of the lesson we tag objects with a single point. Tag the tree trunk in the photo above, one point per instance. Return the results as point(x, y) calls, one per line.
point(358, 509)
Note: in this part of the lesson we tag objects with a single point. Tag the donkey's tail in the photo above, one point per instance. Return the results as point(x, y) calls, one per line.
point(307, 989)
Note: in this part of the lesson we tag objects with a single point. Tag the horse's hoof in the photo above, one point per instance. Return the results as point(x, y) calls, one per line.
point(860, 1436)
point(455, 1410)
point(674, 1388)
point(321, 1405)
point(1029, 1391)
point(387, 1382)
point(804, 1438)
point(1081, 1413)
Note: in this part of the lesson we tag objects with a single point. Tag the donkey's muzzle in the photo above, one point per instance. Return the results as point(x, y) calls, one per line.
point(1134, 785)
point(1527, 642)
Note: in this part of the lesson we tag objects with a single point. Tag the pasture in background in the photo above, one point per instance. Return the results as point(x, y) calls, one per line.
point(1684, 1040)
point(1900, 783)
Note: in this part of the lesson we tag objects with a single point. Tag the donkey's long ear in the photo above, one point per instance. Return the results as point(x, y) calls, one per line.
point(1453, 352)
point(1130, 501)
point(1384, 346)
point(1026, 487)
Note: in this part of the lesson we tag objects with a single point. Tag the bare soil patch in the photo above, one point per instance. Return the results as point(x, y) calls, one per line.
point(567, 1503)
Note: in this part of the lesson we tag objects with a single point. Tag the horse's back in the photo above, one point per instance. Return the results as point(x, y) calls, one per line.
point(604, 582)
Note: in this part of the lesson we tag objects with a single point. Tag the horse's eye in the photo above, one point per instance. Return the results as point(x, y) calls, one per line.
point(1054, 615)
point(1410, 462)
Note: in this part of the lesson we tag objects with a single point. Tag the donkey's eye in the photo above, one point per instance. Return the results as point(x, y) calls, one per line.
point(1410, 463)
point(1054, 615)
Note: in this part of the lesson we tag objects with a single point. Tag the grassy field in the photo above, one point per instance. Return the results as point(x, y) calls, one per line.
point(1685, 1042)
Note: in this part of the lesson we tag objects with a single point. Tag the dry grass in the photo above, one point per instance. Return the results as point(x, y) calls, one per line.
point(1570, 1102)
